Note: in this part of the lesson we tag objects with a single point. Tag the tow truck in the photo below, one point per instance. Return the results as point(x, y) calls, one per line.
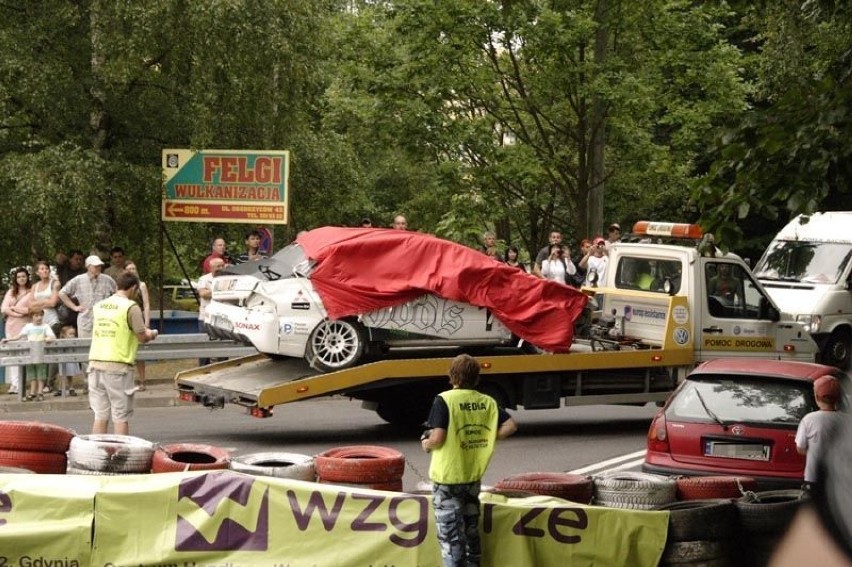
point(658, 312)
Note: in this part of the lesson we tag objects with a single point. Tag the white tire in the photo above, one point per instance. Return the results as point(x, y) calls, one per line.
point(634, 490)
point(279, 465)
point(110, 453)
point(77, 471)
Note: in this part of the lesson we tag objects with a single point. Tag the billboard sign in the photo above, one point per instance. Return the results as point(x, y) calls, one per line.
point(229, 186)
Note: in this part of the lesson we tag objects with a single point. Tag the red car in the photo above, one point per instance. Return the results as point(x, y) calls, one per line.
point(736, 417)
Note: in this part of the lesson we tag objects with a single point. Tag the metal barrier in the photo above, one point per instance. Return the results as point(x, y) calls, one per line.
point(164, 347)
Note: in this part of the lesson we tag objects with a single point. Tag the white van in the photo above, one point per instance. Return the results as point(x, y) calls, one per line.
point(808, 273)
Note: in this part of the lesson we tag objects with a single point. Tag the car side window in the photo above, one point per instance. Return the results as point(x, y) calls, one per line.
point(647, 274)
point(731, 292)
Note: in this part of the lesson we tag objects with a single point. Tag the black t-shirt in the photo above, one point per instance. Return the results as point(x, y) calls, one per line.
point(439, 415)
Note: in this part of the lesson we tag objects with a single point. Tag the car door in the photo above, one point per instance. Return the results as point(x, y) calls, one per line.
point(735, 315)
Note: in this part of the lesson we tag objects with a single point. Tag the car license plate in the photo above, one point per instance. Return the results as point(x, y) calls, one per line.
point(747, 451)
point(221, 323)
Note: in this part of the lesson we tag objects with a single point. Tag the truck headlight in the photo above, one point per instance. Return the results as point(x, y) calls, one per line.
point(811, 322)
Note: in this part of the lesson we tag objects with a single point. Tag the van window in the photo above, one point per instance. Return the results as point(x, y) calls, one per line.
point(804, 261)
point(647, 274)
point(731, 292)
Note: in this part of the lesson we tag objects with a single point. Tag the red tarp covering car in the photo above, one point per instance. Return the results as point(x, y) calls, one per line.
point(361, 270)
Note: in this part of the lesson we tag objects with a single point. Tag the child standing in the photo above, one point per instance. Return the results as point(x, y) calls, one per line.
point(817, 427)
point(68, 370)
point(35, 332)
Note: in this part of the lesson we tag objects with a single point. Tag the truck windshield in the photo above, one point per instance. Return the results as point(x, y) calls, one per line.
point(803, 261)
point(288, 262)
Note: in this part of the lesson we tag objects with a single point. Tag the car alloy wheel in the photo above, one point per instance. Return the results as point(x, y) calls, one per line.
point(335, 345)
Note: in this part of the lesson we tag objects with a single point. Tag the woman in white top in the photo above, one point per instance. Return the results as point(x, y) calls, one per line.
point(558, 266)
point(45, 295)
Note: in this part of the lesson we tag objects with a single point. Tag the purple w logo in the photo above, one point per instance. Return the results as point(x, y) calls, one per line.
point(222, 511)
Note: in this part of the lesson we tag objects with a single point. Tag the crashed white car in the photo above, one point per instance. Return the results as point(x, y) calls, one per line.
point(288, 305)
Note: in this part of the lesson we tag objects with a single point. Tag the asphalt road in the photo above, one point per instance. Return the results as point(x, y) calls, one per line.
point(567, 439)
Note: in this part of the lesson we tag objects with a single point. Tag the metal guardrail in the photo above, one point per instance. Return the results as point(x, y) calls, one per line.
point(164, 347)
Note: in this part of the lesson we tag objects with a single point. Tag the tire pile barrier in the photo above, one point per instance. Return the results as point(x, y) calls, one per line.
point(180, 457)
point(278, 465)
point(701, 533)
point(709, 487)
point(763, 520)
point(105, 454)
point(633, 490)
point(572, 487)
point(34, 446)
point(362, 466)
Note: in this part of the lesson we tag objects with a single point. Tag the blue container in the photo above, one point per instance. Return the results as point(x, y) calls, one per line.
point(175, 322)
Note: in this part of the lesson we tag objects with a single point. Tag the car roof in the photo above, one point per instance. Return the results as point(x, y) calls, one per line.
point(775, 368)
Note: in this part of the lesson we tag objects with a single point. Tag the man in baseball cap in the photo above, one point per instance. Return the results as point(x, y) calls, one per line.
point(94, 260)
point(817, 427)
point(613, 234)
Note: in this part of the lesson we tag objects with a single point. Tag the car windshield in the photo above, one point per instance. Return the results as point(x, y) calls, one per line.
point(803, 261)
point(289, 262)
point(743, 400)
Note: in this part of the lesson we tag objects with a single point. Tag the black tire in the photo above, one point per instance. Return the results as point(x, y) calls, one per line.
point(769, 512)
point(701, 519)
point(837, 349)
point(335, 345)
point(496, 391)
point(692, 552)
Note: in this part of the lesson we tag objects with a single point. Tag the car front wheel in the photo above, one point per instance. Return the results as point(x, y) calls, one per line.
point(335, 345)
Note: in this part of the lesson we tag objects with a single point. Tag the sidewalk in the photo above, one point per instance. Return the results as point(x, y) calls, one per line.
point(159, 392)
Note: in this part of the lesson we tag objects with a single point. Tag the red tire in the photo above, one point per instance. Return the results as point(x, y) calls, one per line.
point(390, 486)
point(710, 487)
point(573, 487)
point(179, 457)
point(361, 464)
point(42, 463)
point(34, 436)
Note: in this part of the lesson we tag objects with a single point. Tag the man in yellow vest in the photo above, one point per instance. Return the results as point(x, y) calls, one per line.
point(465, 426)
point(118, 329)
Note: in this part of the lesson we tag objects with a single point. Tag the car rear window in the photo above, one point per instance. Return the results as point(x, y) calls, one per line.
point(771, 402)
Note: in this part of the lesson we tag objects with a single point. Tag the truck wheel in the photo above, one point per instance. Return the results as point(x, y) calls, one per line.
point(836, 350)
point(495, 391)
point(409, 414)
point(335, 345)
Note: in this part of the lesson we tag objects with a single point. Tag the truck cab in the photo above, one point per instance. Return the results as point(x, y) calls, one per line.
point(729, 312)
point(807, 271)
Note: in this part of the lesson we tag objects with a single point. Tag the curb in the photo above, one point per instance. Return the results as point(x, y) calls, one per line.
point(154, 397)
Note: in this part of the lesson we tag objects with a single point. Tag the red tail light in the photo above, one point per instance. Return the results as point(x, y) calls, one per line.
point(658, 439)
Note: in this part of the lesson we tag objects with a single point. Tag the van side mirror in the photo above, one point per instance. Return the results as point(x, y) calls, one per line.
point(768, 311)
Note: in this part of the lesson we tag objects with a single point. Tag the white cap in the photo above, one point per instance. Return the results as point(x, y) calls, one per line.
point(94, 261)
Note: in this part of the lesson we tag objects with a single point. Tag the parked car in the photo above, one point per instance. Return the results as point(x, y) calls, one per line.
point(339, 293)
point(736, 417)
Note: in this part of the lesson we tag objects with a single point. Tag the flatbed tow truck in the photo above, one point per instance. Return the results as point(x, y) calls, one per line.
point(640, 345)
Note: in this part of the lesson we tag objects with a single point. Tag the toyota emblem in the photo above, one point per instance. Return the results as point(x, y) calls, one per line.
point(737, 430)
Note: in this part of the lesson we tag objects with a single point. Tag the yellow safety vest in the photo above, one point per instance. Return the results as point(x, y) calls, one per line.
point(112, 338)
point(471, 434)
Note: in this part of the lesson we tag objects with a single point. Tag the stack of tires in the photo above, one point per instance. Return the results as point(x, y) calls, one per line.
point(180, 457)
point(573, 487)
point(701, 533)
point(34, 446)
point(633, 490)
point(105, 454)
point(763, 519)
point(363, 466)
point(278, 465)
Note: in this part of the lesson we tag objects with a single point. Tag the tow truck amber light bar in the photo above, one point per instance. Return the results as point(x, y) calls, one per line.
point(670, 229)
